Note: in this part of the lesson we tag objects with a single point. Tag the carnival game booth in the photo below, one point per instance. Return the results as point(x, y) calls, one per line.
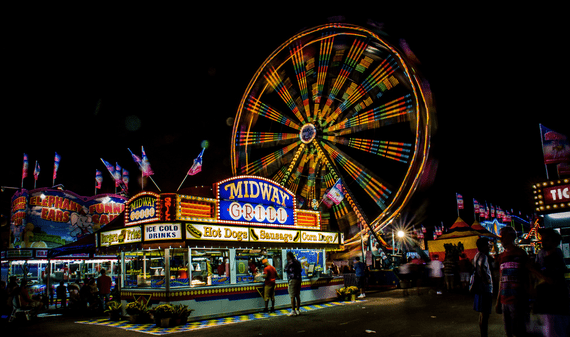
point(460, 232)
point(46, 220)
point(206, 252)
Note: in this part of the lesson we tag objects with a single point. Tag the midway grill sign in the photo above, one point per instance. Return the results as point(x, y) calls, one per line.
point(251, 200)
point(142, 208)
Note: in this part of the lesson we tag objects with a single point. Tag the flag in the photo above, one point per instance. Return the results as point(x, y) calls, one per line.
point(555, 146)
point(117, 175)
point(98, 178)
point(56, 161)
point(492, 211)
point(136, 158)
point(109, 167)
point(126, 179)
point(336, 193)
point(145, 165)
point(25, 167)
point(459, 198)
point(36, 171)
point(476, 206)
point(197, 166)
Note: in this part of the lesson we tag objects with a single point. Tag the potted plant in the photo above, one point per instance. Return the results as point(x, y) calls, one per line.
point(181, 313)
point(162, 314)
point(352, 291)
point(138, 312)
point(341, 293)
point(114, 310)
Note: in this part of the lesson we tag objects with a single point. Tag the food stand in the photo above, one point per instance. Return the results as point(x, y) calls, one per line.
point(205, 252)
point(45, 220)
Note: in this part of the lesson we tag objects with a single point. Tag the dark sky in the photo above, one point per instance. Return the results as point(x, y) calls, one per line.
point(178, 75)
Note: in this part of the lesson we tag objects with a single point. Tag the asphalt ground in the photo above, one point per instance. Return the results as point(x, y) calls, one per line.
point(384, 313)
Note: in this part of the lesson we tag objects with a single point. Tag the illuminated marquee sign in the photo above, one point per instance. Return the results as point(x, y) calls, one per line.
point(552, 196)
point(142, 208)
point(217, 233)
point(163, 231)
point(274, 235)
point(254, 200)
point(120, 236)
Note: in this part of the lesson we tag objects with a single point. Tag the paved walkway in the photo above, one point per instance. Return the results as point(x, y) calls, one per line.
point(152, 329)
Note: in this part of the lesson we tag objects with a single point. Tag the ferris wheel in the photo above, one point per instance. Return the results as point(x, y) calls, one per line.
point(336, 102)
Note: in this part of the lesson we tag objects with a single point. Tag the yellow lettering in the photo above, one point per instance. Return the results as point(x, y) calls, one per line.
point(235, 191)
point(256, 193)
point(284, 197)
point(275, 195)
point(265, 190)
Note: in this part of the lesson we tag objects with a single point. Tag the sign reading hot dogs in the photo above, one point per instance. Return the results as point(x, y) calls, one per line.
point(218, 233)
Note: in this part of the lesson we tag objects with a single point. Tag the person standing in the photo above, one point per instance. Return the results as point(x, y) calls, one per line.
point(465, 269)
point(449, 272)
point(513, 298)
point(269, 274)
point(552, 304)
point(104, 285)
point(61, 292)
point(293, 269)
point(360, 270)
point(483, 286)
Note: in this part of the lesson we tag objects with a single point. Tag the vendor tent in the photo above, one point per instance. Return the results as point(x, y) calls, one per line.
point(460, 232)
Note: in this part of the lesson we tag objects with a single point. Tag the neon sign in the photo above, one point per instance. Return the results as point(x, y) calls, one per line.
point(254, 200)
point(143, 207)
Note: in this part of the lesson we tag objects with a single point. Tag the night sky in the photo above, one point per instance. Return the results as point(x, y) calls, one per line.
point(91, 86)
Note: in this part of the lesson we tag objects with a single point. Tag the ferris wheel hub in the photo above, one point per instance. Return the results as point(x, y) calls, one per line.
point(308, 133)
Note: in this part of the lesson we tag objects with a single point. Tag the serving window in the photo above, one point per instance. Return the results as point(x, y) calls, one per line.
point(210, 267)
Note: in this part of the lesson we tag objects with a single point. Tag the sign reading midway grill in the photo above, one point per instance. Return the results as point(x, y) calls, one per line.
point(250, 199)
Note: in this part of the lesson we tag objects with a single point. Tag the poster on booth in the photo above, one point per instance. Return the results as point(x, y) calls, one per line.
point(311, 260)
point(251, 200)
point(47, 218)
point(163, 231)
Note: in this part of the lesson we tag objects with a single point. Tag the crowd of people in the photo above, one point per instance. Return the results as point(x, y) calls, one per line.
point(92, 295)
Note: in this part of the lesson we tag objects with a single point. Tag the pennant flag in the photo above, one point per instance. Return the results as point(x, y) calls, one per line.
point(36, 171)
point(492, 211)
point(555, 146)
point(56, 161)
point(117, 175)
point(98, 178)
point(476, 206)
point(336, 193)
point(25, 167)
point(145, 165)
point(197, 166)
point(459, 198)
point(126, 179)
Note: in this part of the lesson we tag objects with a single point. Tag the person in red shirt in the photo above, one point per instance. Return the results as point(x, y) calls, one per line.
point(104, 285)
point(269, 274)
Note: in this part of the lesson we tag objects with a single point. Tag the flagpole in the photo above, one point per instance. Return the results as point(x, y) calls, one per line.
point(183, 180)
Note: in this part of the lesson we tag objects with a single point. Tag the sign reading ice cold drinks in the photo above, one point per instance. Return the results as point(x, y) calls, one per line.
point(250, 200)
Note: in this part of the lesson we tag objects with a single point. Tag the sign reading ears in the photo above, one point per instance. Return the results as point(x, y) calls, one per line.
point(251, 199)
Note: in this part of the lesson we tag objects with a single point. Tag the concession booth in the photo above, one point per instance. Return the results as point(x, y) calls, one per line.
point(205, 252)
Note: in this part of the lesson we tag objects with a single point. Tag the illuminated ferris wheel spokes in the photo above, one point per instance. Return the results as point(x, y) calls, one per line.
point(339, 88)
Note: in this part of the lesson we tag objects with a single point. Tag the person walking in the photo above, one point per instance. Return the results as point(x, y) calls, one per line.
point(435, 267)
point(513, 298)
point(61, 292)
point(360, 270)
point(104, 285)
point(269, 274)
point(552, 304)
point(483, 285)
point(293, 269)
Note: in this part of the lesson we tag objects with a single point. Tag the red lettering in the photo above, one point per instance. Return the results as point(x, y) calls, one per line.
point(45, 213)
point(58, 202)
point(65, 217)
point(95, 218)
point(51, 215)
point(51, 200)
point(104, 219)
point(59, 215)
point(45, 202)
point(108, 208)
point(65, 204)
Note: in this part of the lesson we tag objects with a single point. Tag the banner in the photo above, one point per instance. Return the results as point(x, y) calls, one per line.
point(25, 167)
point(145, 165)
point(336, 193)
point(475, 206)
point(98, 178)
point(56, 161)
point(459, 199)
point(36, 171)
point(555, 146)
